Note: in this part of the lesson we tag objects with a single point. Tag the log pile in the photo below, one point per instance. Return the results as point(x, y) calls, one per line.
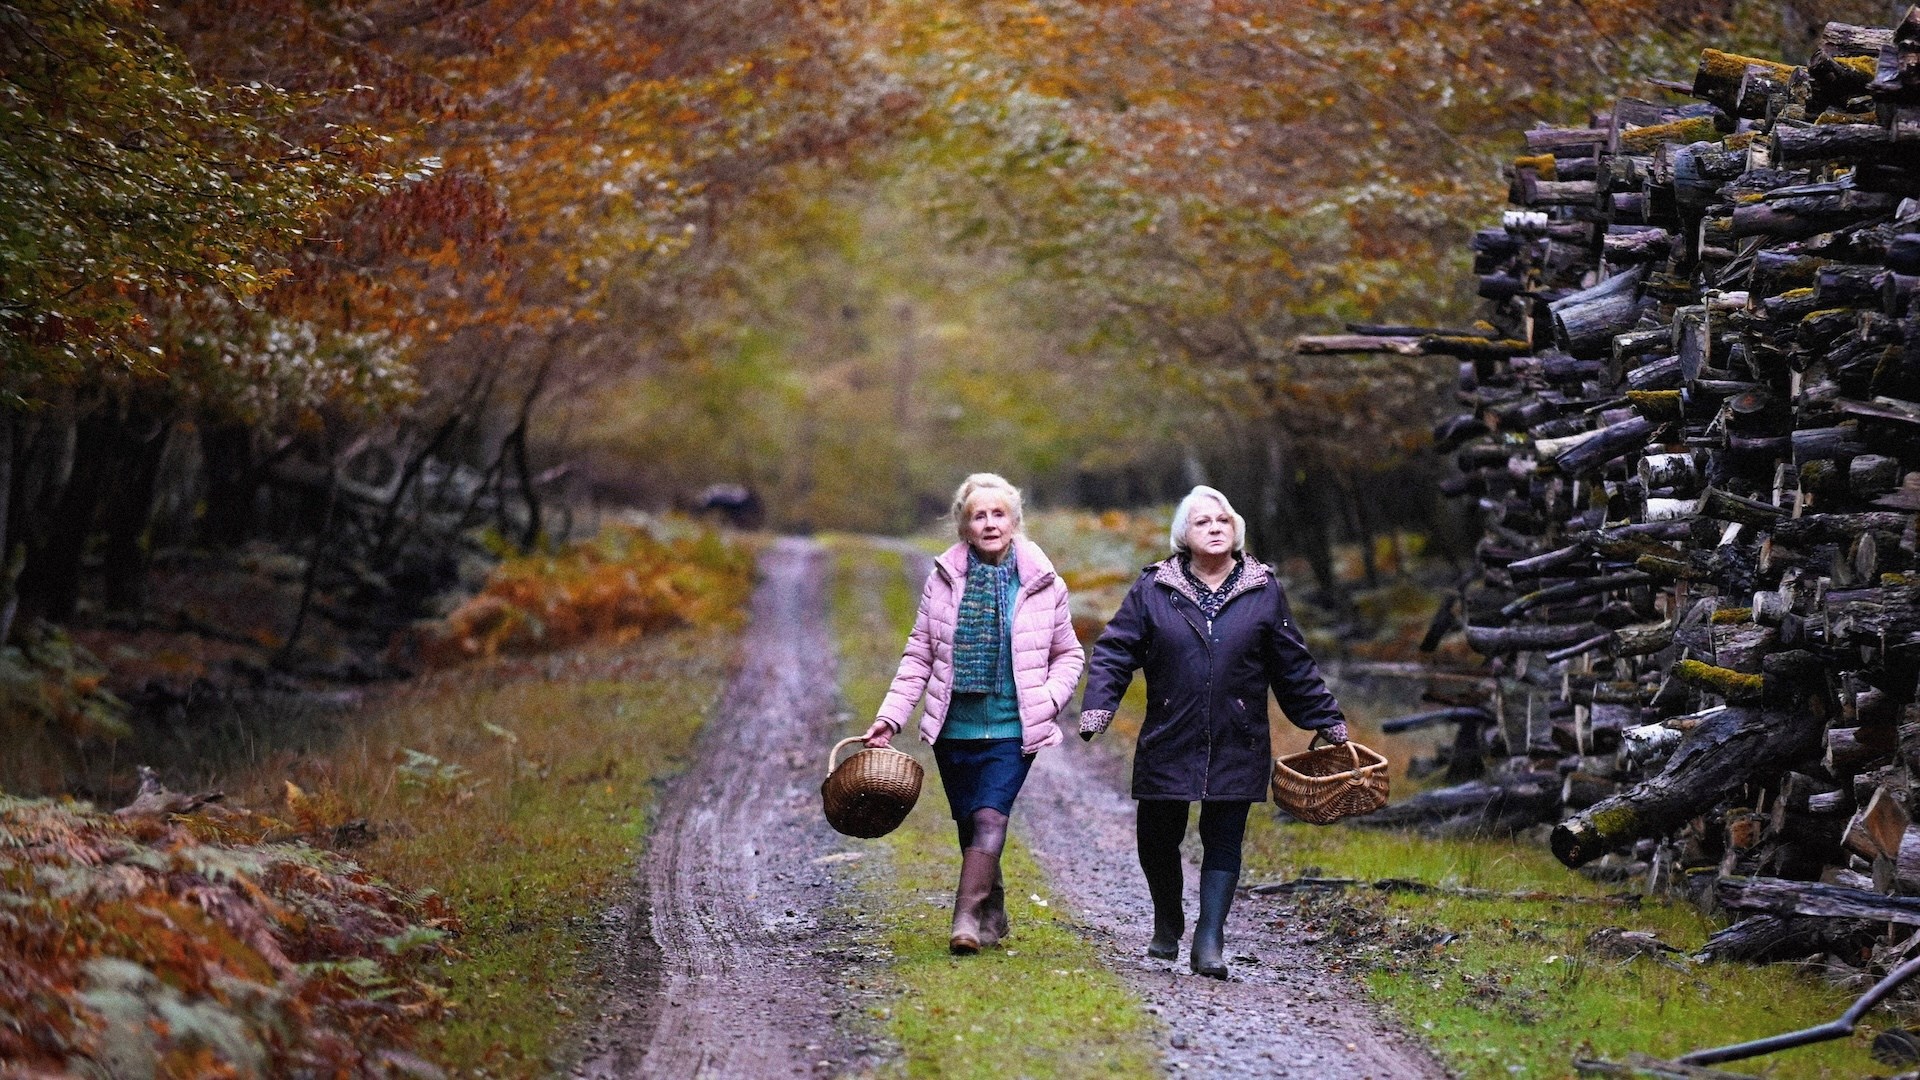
point(1693, 433)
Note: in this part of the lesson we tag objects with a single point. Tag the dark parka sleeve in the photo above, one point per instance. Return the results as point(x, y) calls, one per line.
point(1297, 684)
point(1120, 651)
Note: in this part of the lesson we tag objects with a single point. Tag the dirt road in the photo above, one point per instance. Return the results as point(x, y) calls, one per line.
point(731, 953)
point(738, 956)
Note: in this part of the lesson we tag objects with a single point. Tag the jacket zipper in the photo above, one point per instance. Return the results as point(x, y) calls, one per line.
point(1206, 642)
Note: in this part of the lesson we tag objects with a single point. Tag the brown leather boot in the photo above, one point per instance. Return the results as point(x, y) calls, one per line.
point(976, 879)
point(993, 913)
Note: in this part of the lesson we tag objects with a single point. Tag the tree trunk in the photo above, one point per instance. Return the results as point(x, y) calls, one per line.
point(50, 579)
point(1764, 939)
point(232, 482)
point(1584, 323)
point(1307, 520)
point(9, 568)
point(1605, 445)
point(127, 511)
point(1498, 640)
point(1845, 142)
point(1506, 803)
point(1780, 897)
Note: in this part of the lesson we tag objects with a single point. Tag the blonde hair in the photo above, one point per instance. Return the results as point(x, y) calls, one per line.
point(983, 483)
point(1177, 535)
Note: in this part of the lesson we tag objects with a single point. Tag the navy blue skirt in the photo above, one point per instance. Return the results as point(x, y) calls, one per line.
point(981, 773)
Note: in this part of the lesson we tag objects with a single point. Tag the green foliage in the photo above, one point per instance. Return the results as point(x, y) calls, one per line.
point(855, 368)
point(129, 179)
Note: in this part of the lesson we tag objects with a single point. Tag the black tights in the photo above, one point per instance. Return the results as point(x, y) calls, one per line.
point(1162, 824)
point(984, 830)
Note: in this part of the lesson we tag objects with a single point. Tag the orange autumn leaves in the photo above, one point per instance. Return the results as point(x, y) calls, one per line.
point(620, 585)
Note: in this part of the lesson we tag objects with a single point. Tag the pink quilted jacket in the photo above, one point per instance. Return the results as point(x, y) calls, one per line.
point(1046, 656)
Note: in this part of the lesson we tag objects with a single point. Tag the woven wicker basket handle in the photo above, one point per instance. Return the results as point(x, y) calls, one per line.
point(835, 752)
point(1348, 744)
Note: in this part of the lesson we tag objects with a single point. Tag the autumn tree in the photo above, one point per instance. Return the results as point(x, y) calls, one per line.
point(314, 250)
point(1217, 178)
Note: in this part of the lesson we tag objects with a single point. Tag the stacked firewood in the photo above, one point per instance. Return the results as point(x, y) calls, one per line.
point(1694, 436)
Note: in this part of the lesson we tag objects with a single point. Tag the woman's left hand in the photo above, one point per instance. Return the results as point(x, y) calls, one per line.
point(1337, 734)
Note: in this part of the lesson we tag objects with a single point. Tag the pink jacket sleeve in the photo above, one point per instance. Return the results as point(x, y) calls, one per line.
point(916, 663)
point(1066, 659)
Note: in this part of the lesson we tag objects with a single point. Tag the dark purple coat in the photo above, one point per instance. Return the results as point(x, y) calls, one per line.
point(1205, 735)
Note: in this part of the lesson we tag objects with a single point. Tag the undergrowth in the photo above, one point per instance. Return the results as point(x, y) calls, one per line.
point(164, 944)
point(1507, 987)
point(1041, 1005)
point(623, 582)
point(505, 800)
point(53, 705)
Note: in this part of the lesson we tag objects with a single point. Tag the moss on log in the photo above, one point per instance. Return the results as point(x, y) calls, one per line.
point(1728, 683)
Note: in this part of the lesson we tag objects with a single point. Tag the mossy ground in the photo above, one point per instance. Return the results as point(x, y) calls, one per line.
point(1508, 987)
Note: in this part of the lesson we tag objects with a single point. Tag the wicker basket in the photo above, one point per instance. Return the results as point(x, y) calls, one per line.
point(1323, 785)
point(870, 793)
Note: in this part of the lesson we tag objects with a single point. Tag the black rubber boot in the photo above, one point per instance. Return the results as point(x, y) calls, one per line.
point(1169, 919)
point(1209, 931)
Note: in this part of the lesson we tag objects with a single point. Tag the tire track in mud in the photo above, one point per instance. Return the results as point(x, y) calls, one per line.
point(727, 962)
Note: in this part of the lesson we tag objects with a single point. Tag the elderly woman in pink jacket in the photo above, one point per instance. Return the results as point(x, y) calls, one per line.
point(993, 656)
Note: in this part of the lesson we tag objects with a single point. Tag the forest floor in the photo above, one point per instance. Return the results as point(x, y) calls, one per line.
point(629, 831)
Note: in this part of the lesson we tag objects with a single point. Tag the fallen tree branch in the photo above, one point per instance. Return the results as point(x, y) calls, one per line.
point(1642, 1065)
point(1422, 888)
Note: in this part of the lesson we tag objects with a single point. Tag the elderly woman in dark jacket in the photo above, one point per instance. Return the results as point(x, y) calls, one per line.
point(1212, 630)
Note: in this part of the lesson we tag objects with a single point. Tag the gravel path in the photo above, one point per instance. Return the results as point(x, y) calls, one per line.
point(732, 955)
point(1283, 1013)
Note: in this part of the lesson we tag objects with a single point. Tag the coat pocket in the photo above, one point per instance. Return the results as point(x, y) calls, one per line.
point(1244, 721)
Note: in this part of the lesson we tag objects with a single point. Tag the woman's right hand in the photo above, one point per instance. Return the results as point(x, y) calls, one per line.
point(879, 735)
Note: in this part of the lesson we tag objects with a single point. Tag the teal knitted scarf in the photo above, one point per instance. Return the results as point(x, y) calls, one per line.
point(981, 626)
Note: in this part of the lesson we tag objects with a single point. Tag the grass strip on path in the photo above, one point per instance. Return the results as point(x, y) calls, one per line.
point(1039, 1006)
point(1506, 987)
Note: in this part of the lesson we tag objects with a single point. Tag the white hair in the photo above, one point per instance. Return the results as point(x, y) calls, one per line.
point(984, 485)
point(1177, 535)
